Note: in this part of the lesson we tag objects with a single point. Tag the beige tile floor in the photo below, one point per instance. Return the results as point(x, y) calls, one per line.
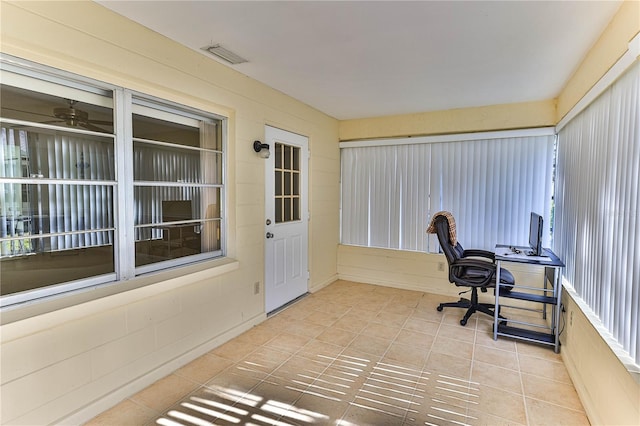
point(357, 354)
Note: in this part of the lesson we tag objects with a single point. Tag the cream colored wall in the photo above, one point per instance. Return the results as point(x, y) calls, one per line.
point(417, 271)
point(609, 393)
point(464, 120)
point(67, 360)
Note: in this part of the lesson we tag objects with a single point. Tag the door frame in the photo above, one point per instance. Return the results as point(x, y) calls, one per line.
point(273, 135)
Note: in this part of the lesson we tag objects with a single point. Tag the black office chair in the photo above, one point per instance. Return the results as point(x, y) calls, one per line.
point(470, 268)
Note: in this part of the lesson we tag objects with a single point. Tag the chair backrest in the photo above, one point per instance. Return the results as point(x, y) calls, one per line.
point(451, 252)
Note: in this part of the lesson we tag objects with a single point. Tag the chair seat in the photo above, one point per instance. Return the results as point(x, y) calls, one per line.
point(506, 277)
point(474, 275)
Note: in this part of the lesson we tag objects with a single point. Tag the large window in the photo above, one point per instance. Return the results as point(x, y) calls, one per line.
point(598, 209)
point(490, 182)
point(99, 184)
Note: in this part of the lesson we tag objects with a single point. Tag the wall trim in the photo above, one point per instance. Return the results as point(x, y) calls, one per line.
point(313, 288)
point(457, 137)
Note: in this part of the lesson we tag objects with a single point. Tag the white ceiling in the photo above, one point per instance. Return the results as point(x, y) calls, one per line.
point(354, 59)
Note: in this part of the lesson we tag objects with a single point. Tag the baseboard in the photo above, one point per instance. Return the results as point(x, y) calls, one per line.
point(315, 287)
point(450, 289)
point(120, 394)
point(583, 394)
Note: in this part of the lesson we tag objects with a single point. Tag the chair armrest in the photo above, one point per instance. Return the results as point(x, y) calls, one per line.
point(461, 266)
point(479, 253)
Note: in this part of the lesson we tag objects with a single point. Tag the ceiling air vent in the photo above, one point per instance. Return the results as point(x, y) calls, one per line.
point(225, 54)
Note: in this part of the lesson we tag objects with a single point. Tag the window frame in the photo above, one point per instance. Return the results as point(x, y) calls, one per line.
point(124, 241)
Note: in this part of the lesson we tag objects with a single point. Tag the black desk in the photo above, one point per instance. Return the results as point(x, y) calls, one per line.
point(550, 295)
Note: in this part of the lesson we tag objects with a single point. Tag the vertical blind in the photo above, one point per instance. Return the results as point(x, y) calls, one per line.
point(490, 185)
point(385, 196)
point(598, 208)
point(71, 215)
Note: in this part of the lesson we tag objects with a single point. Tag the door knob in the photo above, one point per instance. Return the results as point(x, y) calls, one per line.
point(269, 235)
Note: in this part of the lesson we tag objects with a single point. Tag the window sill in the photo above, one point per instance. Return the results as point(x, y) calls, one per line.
point(112, 295)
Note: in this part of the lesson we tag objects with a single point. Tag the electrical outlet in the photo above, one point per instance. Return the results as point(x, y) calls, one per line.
point(256, 287)
point(440, 266)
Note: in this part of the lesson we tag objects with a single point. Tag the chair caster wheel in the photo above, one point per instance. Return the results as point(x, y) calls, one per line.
point(439, 308)
point(463, 322)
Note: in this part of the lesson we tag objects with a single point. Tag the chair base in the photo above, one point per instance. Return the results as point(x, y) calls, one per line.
point(471, 306)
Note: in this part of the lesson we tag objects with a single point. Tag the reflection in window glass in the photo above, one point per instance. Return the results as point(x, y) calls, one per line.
point(93, 113)
point(177, 186)
point(57, 188)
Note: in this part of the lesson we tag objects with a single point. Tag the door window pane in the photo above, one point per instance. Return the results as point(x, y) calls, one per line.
point(287, 181)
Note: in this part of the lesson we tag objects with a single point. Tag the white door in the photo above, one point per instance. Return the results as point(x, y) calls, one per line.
point(287, 217)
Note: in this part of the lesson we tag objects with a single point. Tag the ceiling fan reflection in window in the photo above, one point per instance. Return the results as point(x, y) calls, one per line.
point(69, 116)
point(75, 117)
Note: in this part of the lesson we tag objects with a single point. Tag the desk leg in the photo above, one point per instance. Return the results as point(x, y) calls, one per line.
point(544, 286)
point(497, 305)
point(557, 290)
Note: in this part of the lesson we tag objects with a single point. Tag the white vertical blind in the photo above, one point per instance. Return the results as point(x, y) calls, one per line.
point(490, 185)
point(598, 208)
point(385, 196)
point(76, 215)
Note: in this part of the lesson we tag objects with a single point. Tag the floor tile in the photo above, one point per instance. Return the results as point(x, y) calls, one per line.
point(497, 401)
point(202, 369)
point(164, 392)
point(557, 393)
point(336, 336)
point(320, 352)
point(288, 342)
point(422, 326)
point(125, 413)
point(369, 413)
point(454, 347)
point(498, 357)
point(544, 413)
point(406, 354)
point(235, 349)
point(322, 409)
point(450, 365)
point(544, 368)
point(304, 328)
point(391, 319)
point(381, 331)
point(417, 339)
point(355, 354)
point(351, 322)
point(457, 332)
point(502, 378)
point(370, 345)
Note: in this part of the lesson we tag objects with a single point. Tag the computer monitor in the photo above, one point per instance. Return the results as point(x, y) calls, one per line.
point(535, 234)
point(176, 210)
